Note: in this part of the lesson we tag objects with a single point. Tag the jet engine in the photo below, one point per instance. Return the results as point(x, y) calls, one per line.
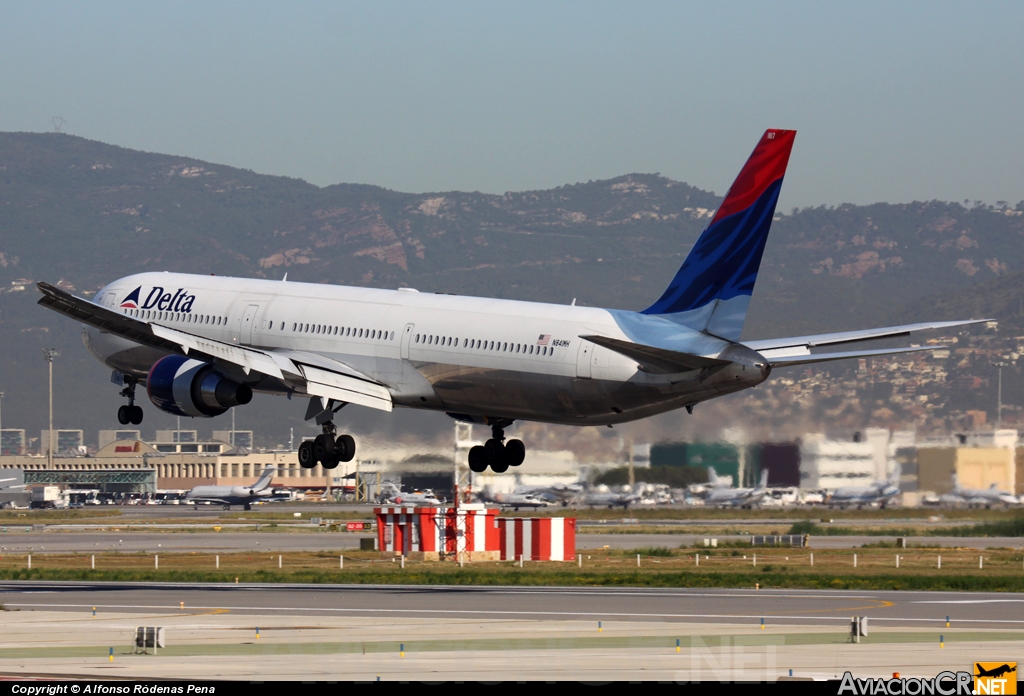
point(186, 387)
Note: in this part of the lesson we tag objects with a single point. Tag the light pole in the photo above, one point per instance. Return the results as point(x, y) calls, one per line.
point(999, 395)
point(49, 354)
point(1, 424)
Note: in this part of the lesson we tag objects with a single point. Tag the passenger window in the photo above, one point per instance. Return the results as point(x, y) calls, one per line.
point(417, 338)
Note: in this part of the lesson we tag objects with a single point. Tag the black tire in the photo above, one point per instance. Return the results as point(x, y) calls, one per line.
point(323, 447)
point(136, 415)
point(515, 452)
point(345, 448)
point(477, 460)
point(494, 452)
point(331, 462)
point(306, 458)
point(124, 415)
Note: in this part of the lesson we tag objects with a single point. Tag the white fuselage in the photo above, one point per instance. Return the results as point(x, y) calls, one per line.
point(473, 357)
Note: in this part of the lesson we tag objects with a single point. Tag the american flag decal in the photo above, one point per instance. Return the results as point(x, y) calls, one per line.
point(543, 340)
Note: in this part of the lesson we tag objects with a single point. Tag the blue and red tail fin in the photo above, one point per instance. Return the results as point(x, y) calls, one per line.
point(712, 289)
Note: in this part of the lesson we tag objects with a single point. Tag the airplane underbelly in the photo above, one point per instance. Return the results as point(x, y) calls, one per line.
point(548, 398)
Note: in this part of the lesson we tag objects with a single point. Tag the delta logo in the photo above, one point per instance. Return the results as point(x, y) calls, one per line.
point(995, 677)
point(179, 301)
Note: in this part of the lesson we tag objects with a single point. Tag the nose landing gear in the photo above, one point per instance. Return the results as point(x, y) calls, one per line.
point(496, 453)
point(129, 413)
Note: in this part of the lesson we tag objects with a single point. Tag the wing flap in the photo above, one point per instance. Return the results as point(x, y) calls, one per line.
point(852, 336)
point(656, 360)
point(333, 385)
point(246, 358)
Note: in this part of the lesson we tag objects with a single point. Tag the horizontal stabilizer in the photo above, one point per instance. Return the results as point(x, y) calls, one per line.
point(808, 358)
point(656, 360)
point(852, 336)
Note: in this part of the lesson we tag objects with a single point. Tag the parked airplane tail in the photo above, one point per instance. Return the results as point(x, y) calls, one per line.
point(764, 479)
point(895, 474)
point(711, 291)
point(265, 478)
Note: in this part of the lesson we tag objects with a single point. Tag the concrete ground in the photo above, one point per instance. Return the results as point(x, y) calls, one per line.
point(212, 645)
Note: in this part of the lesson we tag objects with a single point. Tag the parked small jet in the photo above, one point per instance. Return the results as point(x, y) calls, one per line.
point(881, 492)
point(739, 497)
point(611, 499)
point(977, 496)
point(393, 494)
point(513, 500)
point(235, 495)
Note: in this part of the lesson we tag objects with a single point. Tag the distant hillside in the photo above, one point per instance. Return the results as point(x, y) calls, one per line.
point(82, 213)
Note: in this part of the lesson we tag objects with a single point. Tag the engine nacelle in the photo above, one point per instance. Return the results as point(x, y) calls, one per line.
point(187, 387)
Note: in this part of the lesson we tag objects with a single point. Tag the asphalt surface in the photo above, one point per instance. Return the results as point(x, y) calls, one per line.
point(204, 540)
point(924, 610)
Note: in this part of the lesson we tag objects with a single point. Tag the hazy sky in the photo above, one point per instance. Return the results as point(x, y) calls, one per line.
point(892, 101)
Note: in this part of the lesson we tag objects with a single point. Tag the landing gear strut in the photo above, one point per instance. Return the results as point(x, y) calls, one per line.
point(328, 449)
point(129, 413)
point(496, 453)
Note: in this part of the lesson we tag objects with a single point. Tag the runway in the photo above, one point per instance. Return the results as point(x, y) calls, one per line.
point(338, 632)
point(815, 607)
point(204, 539)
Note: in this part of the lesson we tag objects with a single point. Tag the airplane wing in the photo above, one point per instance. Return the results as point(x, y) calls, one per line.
point(657, 360)
point(797, 342)
point(318, 376)
point(783, 360)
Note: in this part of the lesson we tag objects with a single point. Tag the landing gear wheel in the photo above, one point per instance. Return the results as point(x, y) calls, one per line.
point(306, 458)
point(494, 455)
point(477, 460)
point(345, 448)
point(331, 462)
point(515, 452)
point(129, 413)
point(323, 447)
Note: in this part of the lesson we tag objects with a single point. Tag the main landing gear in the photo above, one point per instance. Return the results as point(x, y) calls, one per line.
point(328, 449)
point(496, 453)
point(129, 413)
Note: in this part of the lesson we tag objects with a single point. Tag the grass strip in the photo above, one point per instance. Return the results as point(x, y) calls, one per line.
point(446, 575)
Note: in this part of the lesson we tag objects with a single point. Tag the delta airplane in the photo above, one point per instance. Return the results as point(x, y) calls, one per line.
point(203, 344)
